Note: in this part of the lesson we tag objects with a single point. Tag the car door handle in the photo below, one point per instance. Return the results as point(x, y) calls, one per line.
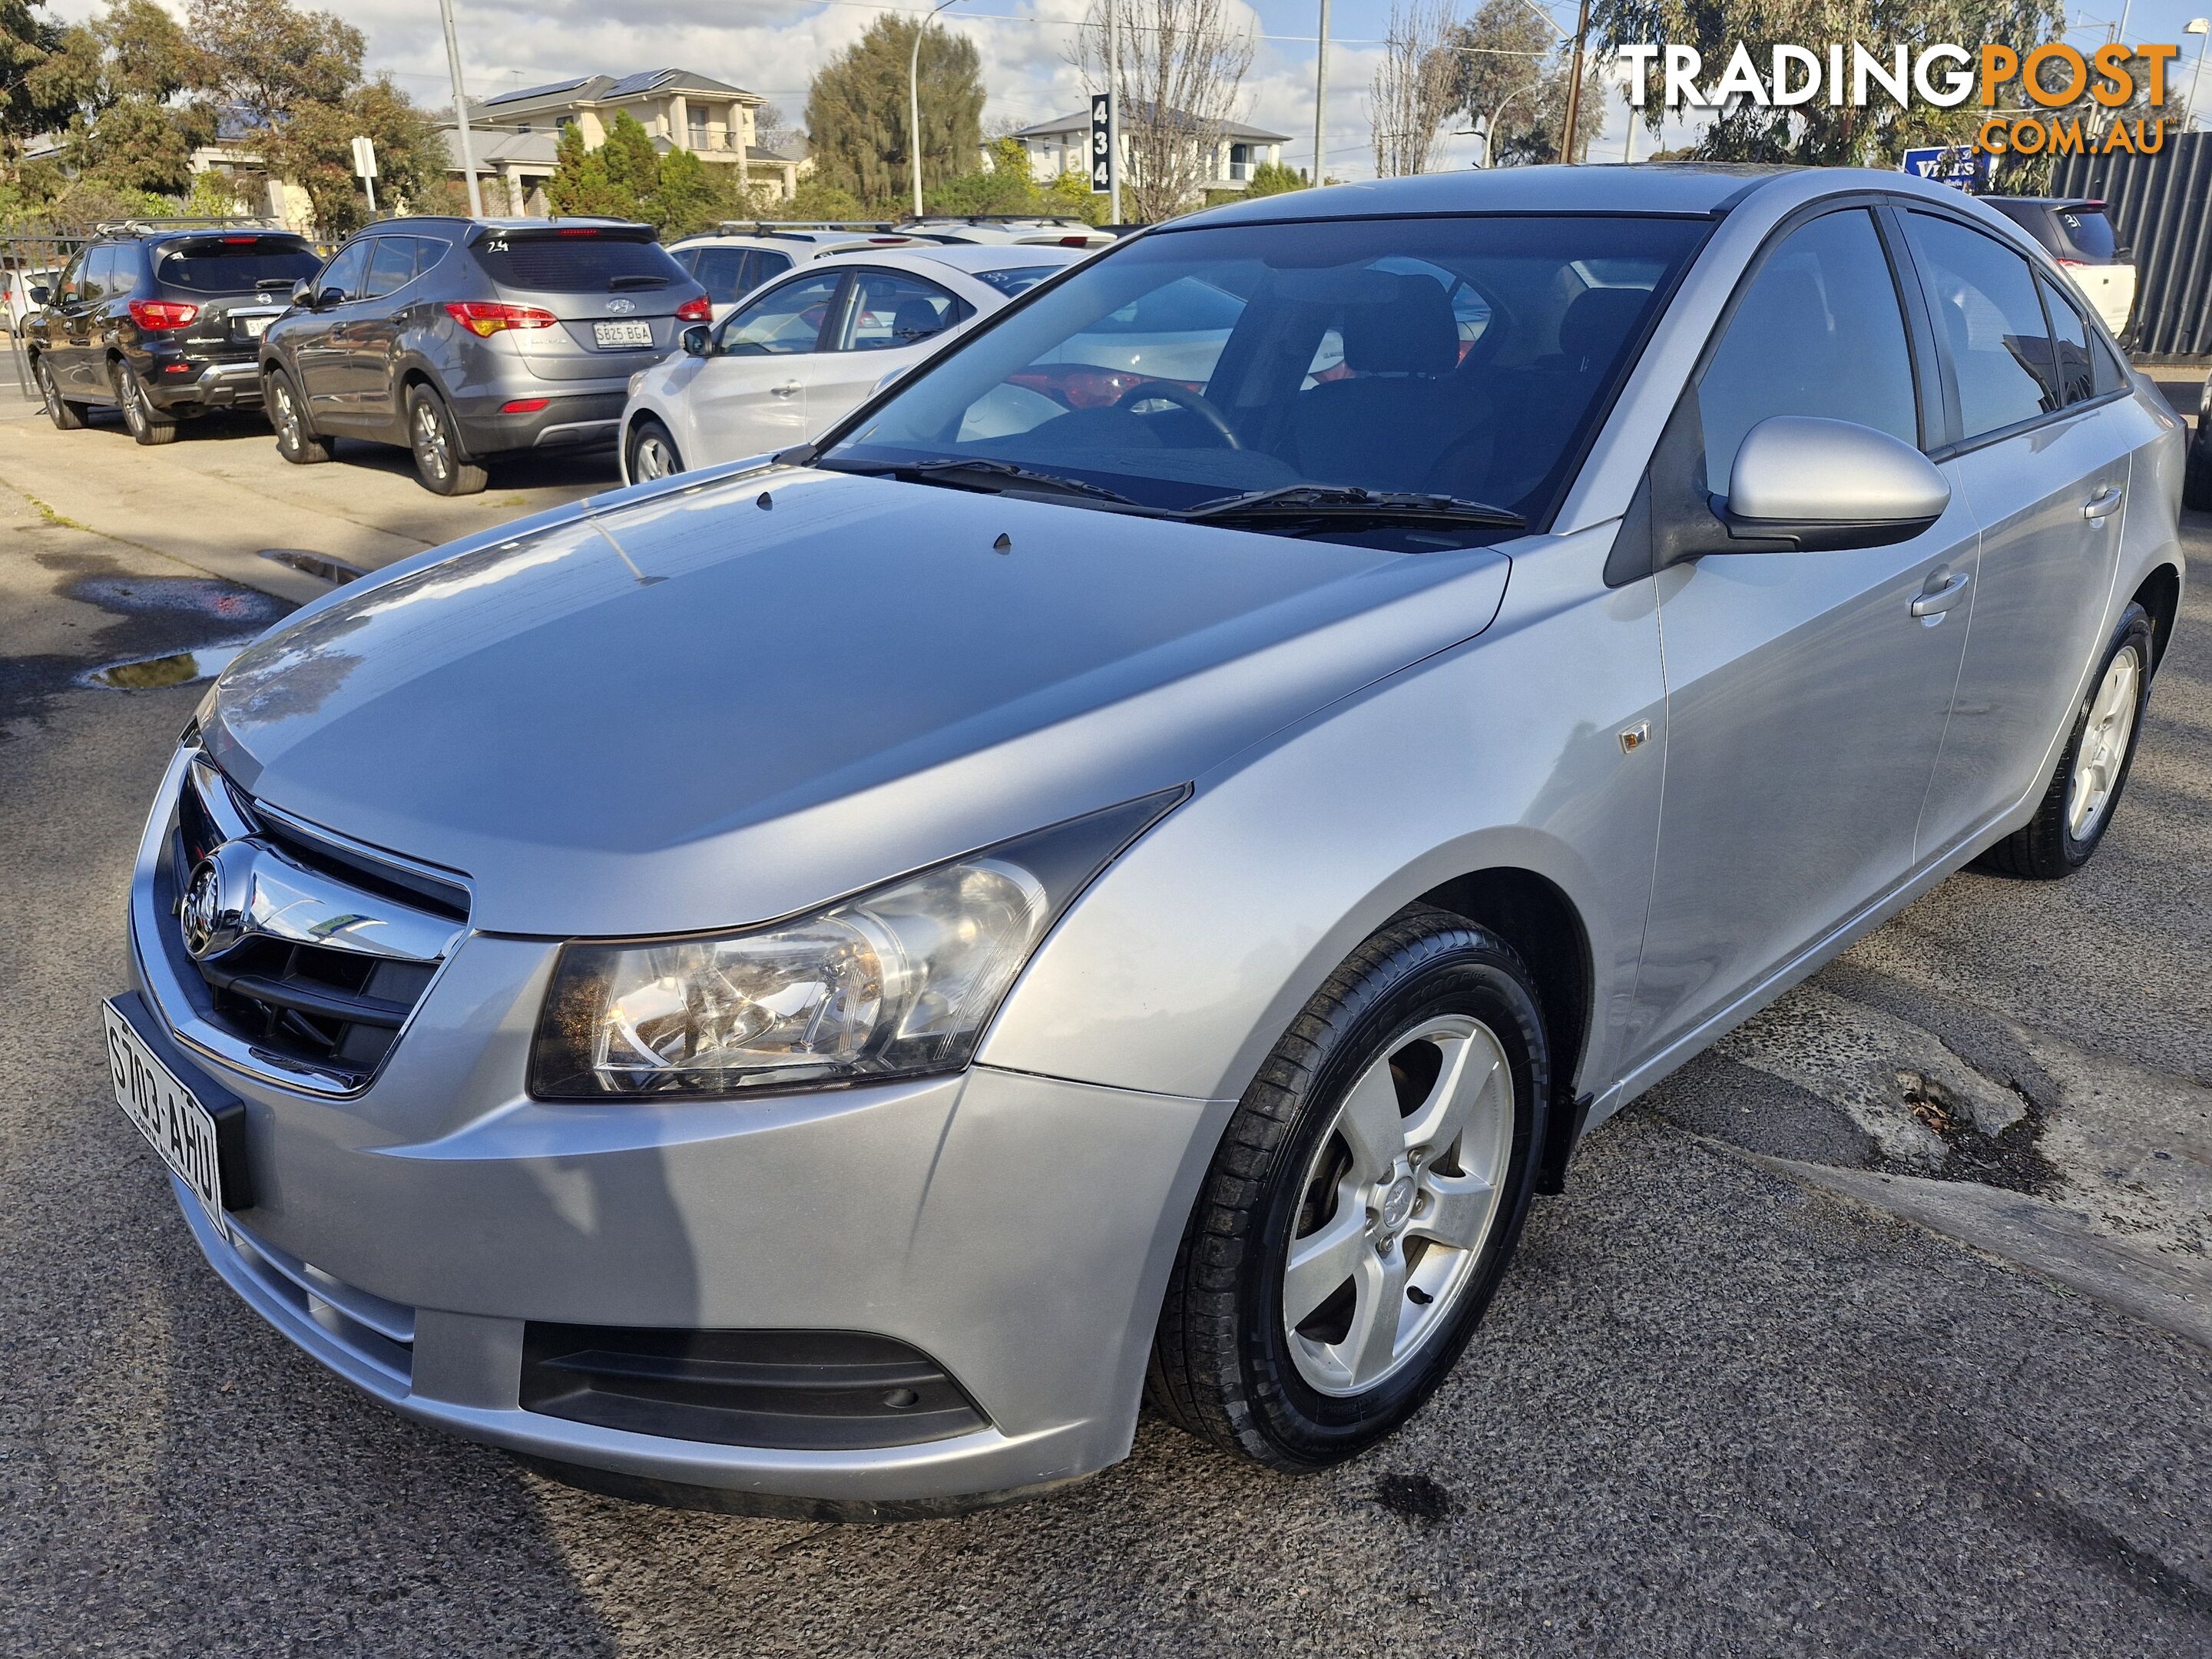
point(2102, 503)
point(788, 389)
point(1937, 598)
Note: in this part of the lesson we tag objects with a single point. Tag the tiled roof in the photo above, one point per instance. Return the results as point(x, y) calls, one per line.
point(1080, 122)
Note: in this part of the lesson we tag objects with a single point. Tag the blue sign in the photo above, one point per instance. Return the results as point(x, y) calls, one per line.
point(1960, 166)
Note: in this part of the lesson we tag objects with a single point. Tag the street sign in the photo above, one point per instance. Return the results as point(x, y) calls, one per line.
point(1101, 144)
point(364, 159)
point(1960, 166)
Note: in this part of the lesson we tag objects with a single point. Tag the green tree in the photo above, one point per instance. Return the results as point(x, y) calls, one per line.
point(632, 163)
point(856, 112)
point(270, 60)
point(816, 200)
point(1005, 185)
point(581, 183)
point(315, 149)
point(1512, 77)
point(121, 77)
point(1272, 179)
point(27, 106)
point(687, 198)
point(1818, 132)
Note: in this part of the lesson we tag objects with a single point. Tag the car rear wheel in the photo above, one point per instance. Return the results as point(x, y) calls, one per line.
point(2085, 791)
point(439, 461)
point(295, 440)
point(68, 415)
point(652, 453)
point(147, 424)
point(1363, 1203)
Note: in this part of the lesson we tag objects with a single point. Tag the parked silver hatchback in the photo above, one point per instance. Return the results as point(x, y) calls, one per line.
point(817, 986)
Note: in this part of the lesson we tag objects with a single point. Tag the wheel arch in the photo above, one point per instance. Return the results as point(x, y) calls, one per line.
point(2159, 595)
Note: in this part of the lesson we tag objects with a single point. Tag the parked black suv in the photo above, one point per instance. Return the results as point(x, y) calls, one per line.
point(161, 320)
point(468, 339)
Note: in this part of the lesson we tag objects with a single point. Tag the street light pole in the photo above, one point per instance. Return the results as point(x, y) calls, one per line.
point(461, 111)
point(1575, 86)
point(1114, 111)
point(914, 102)
point(1320, 89)
point(2197, 26)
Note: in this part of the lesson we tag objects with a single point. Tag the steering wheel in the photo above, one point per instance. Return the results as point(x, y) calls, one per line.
point(1183, 397)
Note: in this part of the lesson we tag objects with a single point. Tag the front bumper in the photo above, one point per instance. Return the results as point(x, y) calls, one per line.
point(1017, 1230)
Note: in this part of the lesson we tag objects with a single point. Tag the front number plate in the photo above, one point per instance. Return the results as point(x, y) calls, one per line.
point(166, 1113)
point(622, 334)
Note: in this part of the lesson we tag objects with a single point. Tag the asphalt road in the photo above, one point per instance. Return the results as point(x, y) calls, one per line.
point(1727, 1402)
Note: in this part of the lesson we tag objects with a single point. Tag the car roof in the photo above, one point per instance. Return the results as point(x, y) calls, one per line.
point(977, 257)
point(785, 238)
point(1672, 187)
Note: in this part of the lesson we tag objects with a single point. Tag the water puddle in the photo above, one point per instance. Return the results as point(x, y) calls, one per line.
point(201, 595)
point(177, 668)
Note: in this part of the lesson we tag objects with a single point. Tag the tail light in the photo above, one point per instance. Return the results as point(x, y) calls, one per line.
point(696, 309)
point(523, 405)
point(484, 318)
point(155, 316)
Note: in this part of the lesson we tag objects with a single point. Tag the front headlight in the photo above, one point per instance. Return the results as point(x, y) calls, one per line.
point(897, 981)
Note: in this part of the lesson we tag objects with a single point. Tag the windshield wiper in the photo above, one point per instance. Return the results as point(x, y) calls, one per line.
point(1337, 503)
point(618, 284)
point(950, 468)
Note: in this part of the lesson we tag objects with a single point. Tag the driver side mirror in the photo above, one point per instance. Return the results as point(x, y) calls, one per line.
point(303, 295)
point(1803, 483)
point(697, 341)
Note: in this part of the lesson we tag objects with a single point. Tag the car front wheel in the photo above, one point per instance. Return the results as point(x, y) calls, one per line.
point(67, 416)
point(652, 453)
point(1363, 1202)
point(2084, 792)
point(439, 461)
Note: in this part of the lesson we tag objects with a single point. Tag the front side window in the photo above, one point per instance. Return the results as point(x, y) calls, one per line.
point(1819, 331)
point(784, 320)
point(342, 277)
point(1991, 323)
point(1466, 358)
point(94, 284)
point(890, 311)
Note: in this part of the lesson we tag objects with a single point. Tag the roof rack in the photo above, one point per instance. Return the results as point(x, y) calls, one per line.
point(997, 219)
point(770, 227)
point(206, 221)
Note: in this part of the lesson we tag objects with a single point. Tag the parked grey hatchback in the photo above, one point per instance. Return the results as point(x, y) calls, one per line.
point(817, 986)
point(467, 340)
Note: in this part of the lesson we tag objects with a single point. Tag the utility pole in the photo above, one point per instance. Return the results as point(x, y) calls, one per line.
point(2197, 26)
point(1114, 111)
point(461, 111)
point(1575, 86)
point(1320, 89)
point(914, 102)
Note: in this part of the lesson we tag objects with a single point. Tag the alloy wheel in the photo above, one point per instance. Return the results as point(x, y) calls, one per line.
point(2103, 750)
point(132, 396)
point(434, 450)
point(283, 415)
point(1397, 1204)
point(47, 390)
point(653, 458)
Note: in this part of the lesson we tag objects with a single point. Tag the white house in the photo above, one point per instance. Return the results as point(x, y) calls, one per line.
point(1064, 146)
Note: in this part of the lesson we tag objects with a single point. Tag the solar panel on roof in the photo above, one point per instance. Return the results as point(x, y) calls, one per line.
point(644, 80)
point(538, 92)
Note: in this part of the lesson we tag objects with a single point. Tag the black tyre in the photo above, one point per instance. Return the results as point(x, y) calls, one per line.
point(147, 424)
point(296, 441)
point(440, 462)
point(68, 415)
point(2197, 478)
point(651, 453)
point(2085, 791)
point(1363, 1202)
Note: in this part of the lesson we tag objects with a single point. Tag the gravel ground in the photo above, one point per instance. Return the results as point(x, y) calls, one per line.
point(1717, 1409)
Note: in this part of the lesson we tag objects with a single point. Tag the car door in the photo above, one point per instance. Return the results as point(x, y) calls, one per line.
point(53, 325)
point(369, 337)
point(2042, 456)
point(1806, 690)
point(749, 396)
point(318, 339)
point(80, 327)
point(893, 319)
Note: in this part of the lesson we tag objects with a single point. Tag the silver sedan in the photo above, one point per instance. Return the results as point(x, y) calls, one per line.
point(821, 985)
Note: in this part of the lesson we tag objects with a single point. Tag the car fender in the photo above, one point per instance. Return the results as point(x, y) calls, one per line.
point(1184, 963)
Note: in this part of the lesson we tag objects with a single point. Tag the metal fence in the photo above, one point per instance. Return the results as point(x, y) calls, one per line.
point(2161, 208)
point(29, 254)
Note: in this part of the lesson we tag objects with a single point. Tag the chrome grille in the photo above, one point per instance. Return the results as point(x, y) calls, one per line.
point(307, 953)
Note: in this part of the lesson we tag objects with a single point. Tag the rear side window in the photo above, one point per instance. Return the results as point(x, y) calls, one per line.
point(1990, 321)
point(2091, 233)
point(576, 264)
point(1818, 333)
point(890, 311)
point(725, 272)
point(235, 265)
point(2070, 341)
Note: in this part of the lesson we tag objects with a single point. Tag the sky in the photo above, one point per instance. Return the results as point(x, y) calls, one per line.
point(773, 47)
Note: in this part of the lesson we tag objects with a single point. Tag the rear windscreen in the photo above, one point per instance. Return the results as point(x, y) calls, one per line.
point(236, 265)
point(2090, 231)
point(577, 264)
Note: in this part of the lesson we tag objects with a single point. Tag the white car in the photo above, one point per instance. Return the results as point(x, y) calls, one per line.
point(16, 300)
point(1002, 230)
point(730, 265)
point(801, 354)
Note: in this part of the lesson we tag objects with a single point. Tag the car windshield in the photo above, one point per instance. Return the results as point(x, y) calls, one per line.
point(236, 264)
point(1465, 358)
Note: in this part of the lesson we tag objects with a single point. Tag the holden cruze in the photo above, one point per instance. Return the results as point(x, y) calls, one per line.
point(822, 985)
